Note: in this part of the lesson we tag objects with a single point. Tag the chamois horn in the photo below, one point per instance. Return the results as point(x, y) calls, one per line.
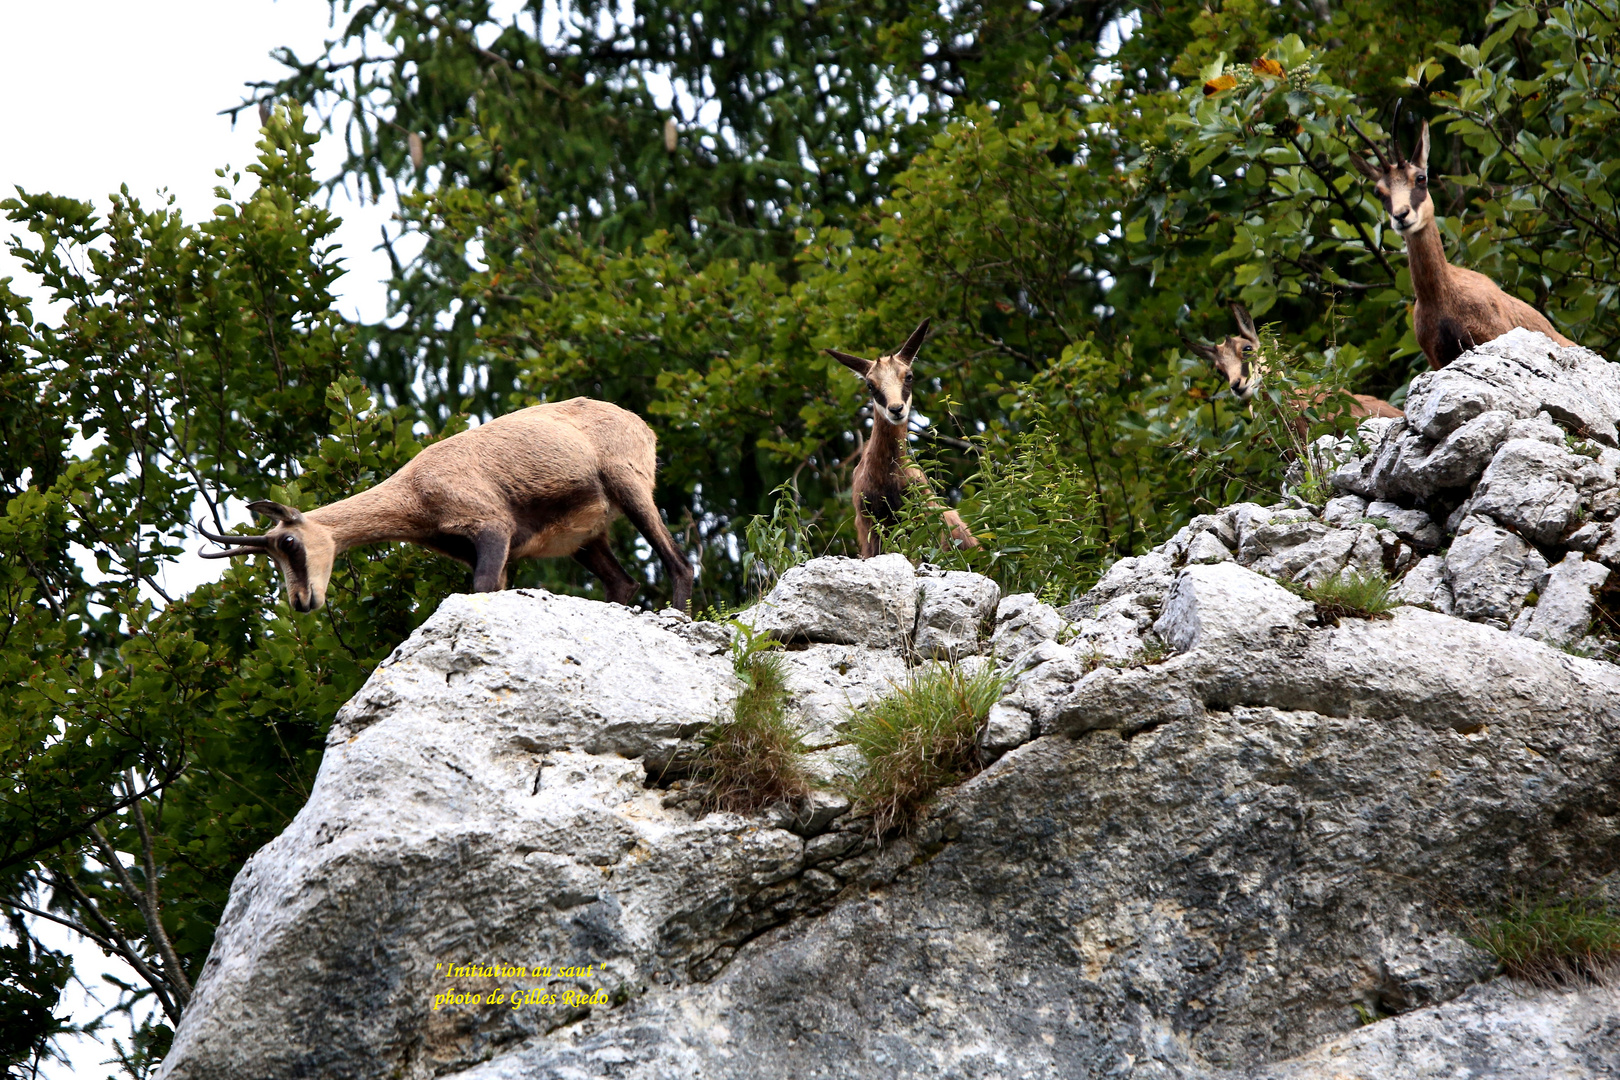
point(1379, 154)
point(246, 545)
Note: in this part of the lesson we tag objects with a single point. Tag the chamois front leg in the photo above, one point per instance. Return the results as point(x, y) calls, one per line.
point(960, 533)
point(597, 557)
point(492, 546)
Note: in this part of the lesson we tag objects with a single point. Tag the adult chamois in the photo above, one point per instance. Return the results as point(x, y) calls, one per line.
point(884, 473)
point(542, 482)
point(1455, 308)
point(1239, 361)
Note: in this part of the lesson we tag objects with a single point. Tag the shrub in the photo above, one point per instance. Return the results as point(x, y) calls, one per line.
point(755, 758)
point(919, 739)
point(1350, 594)
point(1555, 942)
point(1032, 509)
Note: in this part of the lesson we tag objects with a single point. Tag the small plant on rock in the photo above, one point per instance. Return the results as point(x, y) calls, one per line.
point(755, 758)
point(1353, 594)
point(920, 738)
point(1555, 943)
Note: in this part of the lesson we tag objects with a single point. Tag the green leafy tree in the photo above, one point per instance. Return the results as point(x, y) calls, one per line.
point(149, 750)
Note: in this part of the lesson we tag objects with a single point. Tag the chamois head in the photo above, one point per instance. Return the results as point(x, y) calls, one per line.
point(303, 549)
point(888, 377)
point(1402, 185)
point(1234, 357)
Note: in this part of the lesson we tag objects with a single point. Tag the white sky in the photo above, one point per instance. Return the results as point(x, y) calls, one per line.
point(100, 93)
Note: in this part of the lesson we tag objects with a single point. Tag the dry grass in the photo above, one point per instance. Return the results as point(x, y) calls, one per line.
point(920, 738)
point(755, 758)
point(1555, 943)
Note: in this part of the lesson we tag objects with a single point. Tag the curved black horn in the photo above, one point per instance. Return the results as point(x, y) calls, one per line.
point(1379, 154)
point(1395, 133)
point(229, 553)
point(248, 543)
point(908, 351)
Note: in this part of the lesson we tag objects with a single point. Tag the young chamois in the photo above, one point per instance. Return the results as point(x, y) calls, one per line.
point(884, 474)
point(1455, 308)
point(1238, 360)
point(542, 482)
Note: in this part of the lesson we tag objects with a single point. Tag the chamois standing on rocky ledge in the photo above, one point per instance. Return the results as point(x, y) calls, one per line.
point(1237, 360)
point(1455, 308)
point(542, 482)
point(884, 474)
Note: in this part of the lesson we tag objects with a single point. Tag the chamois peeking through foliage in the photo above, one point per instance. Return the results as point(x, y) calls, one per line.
point(884, 473)
point(542, 482)
point(1455, 308)
point(1241, 362)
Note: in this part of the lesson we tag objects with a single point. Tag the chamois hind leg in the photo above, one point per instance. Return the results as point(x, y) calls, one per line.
point(597, 557)
point(639, 507)
point(491, 547)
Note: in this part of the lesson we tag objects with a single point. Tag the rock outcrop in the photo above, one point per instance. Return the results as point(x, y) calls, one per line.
point(1220, 832)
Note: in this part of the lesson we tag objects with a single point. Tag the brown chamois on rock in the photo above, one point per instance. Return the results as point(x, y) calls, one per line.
point(884, 473)
point(1455, 309)
point(542, 482)
point(1239, 361)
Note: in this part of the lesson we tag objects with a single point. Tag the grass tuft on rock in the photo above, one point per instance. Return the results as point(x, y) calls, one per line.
point(920, 738)
point(1353, 595)
point(1555, 943)
point(755, 758)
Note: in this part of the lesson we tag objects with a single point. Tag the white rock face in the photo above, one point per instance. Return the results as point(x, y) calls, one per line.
point(1226, 606)
point(843, 601)
point(1564, 611)
point(1491, 571)
point(1530, 486)
point(956, 611)
point(1523, 373)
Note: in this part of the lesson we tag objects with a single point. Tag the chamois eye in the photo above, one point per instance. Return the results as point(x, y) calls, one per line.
point(1423, 178)
point(288, 543)
point(1247, 349)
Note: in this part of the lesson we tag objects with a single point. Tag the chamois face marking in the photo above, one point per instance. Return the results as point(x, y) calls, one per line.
point(1236, 358)
point(303, 550)
point(1401, 185)
point(888, 378)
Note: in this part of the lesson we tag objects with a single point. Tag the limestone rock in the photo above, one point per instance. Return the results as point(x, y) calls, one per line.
point(955, 611)
point(843, 601)
point(1530, 487)
point(1226, 606)
point(1564, 609)
point(1425, 586)
point(625, 684)
point(1413, 464)
point(1413, 526)
point(1491, 571)
point(1206, 547)
point(1023, 622)
point(1344, 511)
point(1523, 373)
point(1494, 1030)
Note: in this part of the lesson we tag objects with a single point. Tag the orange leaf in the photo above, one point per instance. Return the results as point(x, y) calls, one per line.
point(1269, 68)
point(1224, 82)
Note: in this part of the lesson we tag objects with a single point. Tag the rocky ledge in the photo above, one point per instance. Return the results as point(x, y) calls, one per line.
point(1222, 836)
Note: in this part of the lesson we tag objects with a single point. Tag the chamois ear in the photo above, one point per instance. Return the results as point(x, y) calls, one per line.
point(908, 351)
point(1420, 156)
point(1206, 351)
point(851, 361)
point(287, 515)
point(1245, 324)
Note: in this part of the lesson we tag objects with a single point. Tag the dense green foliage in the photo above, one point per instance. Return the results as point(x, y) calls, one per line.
point(676, 206)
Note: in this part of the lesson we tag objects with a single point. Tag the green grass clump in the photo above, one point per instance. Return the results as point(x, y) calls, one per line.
point(1554, 943)
point(1350, 594)
point(755, 758)
point(920, 738)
